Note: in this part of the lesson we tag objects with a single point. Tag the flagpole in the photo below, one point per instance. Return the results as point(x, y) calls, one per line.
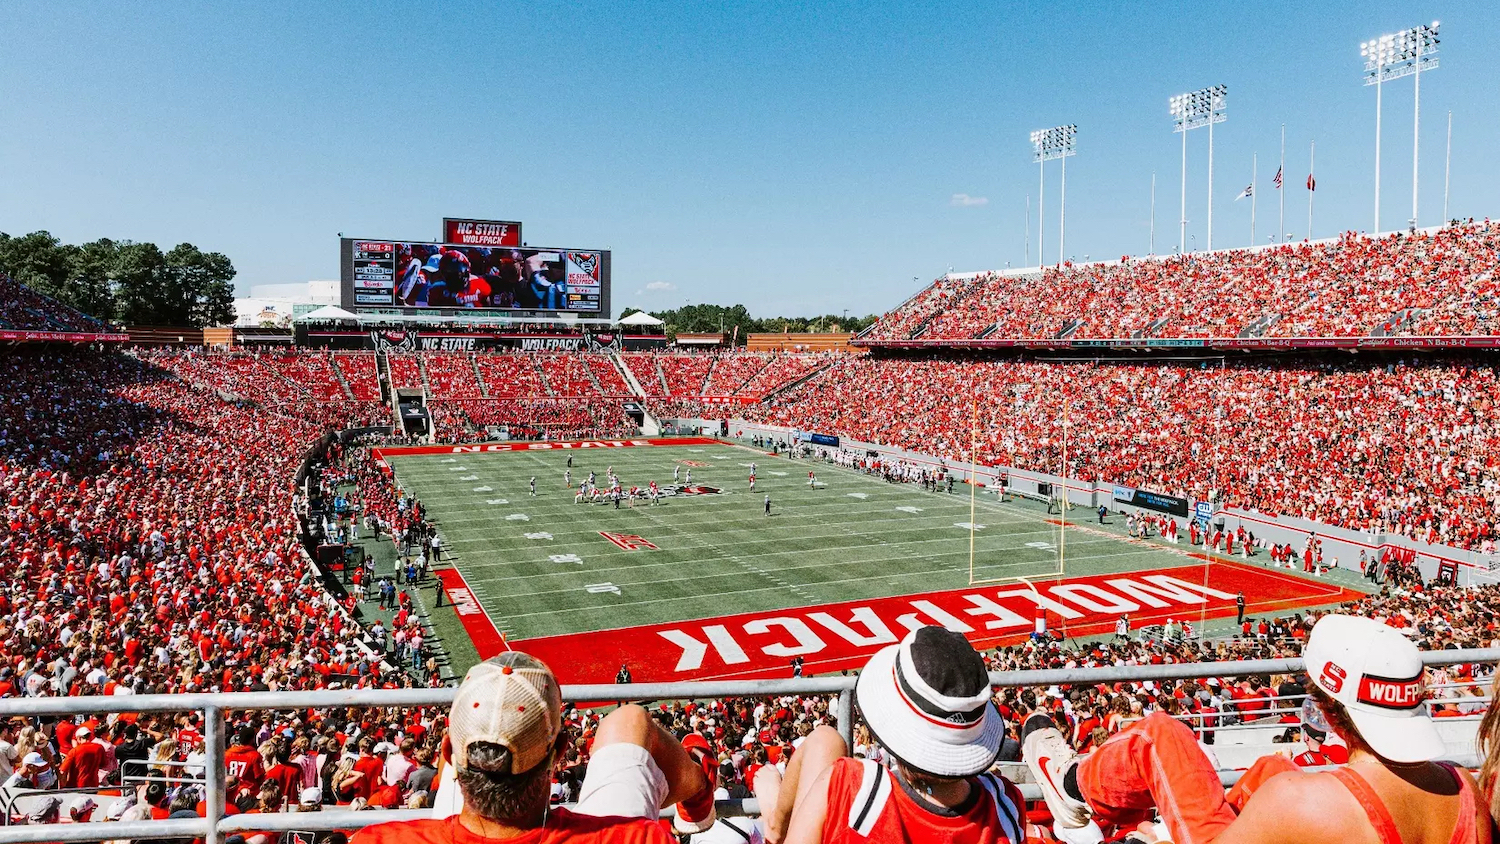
point(1254, 172)
point(1041, 212)
point(1210, 186)
point(1151, 250)
point(1312, 185)
point(1028, 229)
point(1447, 165)
point(1281, 188)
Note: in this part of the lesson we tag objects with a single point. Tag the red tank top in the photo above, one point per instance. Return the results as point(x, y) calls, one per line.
point(1464, 832)
point(866, 803)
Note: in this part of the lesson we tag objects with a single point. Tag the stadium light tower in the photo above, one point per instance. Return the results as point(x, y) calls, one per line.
point(1194, 110)
point(1404, 53)
point(1047, 145)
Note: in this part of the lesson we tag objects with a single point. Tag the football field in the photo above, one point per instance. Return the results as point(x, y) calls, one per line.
point(543, 568)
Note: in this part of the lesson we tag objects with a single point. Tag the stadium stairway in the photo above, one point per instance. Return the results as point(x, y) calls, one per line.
point(387, 389)
point(1259, 325)
point(634, 385)
point(484, 389)
point(589, 371)
point(339, 374)
point(661, 377)
point(812, 373)
point(426, 382)
point(1395, 322)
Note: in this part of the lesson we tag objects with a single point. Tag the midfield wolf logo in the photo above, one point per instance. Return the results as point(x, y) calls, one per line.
point(629, 541)
point(694, 489)
point(394, 341)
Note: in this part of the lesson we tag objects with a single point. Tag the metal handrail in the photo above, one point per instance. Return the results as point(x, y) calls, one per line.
point(213, 828)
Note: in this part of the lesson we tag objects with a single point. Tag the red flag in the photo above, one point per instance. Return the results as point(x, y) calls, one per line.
point(1312, 184)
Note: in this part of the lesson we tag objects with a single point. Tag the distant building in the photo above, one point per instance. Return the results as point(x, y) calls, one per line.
point(277, 304)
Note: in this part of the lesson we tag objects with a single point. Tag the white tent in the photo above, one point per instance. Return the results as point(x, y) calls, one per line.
point(327, 313)
point(641, 318)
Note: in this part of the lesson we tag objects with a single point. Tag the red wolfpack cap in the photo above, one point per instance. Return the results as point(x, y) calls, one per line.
point(1377, 675)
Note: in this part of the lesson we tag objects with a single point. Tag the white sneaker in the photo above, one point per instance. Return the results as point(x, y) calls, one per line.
point(1049, 757)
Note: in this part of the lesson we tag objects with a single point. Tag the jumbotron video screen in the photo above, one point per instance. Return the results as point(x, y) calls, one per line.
point(406, 274)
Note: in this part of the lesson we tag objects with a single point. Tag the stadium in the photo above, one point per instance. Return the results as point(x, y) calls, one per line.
point(997, 566)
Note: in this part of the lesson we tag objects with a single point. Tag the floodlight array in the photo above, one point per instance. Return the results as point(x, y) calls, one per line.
point(1198, 108)
point(1399, 54)
point(1054, 143)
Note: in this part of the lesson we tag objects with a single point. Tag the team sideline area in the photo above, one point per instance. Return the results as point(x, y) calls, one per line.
point(707, 584)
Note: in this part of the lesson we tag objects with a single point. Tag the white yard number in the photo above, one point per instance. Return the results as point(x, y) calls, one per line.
point(860, 495)
point(539, 535)
point(565, 558)
point(602, 588)
point(518, 517)
point(495, 502)
point(469, 478)
point(1042, 546)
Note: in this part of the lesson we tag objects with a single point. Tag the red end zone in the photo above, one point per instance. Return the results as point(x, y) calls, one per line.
point(832, 637)
point(482, 448)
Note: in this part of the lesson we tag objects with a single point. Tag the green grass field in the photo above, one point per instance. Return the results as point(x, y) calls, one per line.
point(531, 561)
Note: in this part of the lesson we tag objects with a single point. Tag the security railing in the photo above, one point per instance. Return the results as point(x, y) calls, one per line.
point(215, 826)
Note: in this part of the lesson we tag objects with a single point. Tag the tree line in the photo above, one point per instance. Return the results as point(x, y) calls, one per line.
point(123, 281)
point(698, 319)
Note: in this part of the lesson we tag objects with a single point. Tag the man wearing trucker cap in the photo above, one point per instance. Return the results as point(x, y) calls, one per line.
point(1367, 679)
point(502, 738)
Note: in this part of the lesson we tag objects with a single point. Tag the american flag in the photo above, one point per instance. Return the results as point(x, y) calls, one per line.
point(1277, 180)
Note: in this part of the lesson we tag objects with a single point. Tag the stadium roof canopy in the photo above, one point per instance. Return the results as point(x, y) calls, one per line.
point(641, 318)
point(327, 313)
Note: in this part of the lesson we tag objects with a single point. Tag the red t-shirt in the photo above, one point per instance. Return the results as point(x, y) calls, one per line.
point(372, 768)
point(563, 827)
point(902, 819)
point(243, 762)
point(289, 777)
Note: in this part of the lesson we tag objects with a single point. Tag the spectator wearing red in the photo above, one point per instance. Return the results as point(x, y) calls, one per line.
point(80, 768)
point(243, 761)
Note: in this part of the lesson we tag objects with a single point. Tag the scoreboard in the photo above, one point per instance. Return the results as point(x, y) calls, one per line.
point(417, 274)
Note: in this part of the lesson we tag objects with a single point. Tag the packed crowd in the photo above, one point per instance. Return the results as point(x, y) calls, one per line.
point(1397, 447)
point(152, 547)
point(305, 385)
point(151, 538)
point(94, 532)
point(1441, 283)
point(535, 418)
point(680, 376)
point(23, 309)
point(153, 543)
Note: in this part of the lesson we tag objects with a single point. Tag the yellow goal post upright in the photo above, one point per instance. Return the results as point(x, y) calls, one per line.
point(1059, 533)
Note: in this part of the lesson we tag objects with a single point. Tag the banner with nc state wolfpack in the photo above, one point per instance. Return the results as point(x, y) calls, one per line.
point(481, 232)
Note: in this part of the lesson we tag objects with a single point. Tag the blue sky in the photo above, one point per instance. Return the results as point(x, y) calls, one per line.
point(798, 158)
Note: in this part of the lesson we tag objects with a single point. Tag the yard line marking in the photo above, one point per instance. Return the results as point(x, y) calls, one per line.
point(651, 601)
point(521, 596)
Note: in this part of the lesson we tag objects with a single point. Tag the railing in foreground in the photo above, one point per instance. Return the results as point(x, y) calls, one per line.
point(213, 828)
